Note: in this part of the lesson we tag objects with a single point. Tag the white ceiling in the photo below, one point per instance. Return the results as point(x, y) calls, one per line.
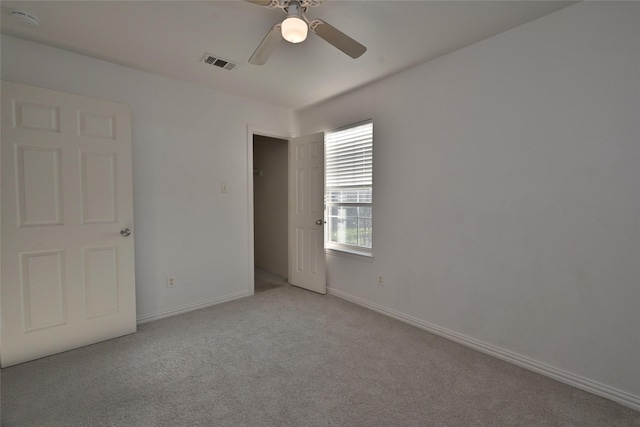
point(169, 38)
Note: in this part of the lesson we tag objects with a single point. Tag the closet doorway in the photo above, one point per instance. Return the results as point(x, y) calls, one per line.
point(270, 211)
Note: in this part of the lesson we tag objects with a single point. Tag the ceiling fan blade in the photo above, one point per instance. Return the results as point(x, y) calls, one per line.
point(267, 46)
point(259, 2)
point(337, 38)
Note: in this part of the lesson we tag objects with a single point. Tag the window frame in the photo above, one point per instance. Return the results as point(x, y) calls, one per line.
point(345, 249)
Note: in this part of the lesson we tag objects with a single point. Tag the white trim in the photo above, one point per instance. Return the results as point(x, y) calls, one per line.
point(574, 380)
point(358, 256)
point(145, 318)
point(351, 125)
point(253, 130)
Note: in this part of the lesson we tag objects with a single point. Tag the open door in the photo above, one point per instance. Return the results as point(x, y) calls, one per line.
point(307, 265)
point(67, 218)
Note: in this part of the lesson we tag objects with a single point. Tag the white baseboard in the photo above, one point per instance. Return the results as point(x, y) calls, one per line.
point(190, 307)
point(577, 381)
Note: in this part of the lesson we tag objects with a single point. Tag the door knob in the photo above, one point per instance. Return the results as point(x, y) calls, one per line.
point(125, 232)
point(320, 222)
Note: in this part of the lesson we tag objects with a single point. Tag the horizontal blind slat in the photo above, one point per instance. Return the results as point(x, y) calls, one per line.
point(349, 157)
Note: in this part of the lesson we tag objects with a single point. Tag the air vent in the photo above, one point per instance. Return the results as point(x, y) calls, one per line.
point(218, 62)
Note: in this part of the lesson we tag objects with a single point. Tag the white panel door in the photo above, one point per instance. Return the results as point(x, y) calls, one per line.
point(307, 264)
point(67, 270)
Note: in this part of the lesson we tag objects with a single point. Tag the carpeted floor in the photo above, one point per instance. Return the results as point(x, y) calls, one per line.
point(289, 357)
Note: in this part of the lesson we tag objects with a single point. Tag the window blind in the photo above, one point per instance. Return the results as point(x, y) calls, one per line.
point(349, 157)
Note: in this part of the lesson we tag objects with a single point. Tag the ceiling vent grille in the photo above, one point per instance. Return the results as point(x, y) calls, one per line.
point(218, 62)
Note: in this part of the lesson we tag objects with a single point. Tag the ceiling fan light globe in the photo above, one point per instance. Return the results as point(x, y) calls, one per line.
point(294, 29)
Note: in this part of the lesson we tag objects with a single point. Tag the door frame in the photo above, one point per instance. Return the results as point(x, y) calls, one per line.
point(253, 130)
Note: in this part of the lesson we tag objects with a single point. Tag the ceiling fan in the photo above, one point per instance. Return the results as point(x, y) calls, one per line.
point(295, 27)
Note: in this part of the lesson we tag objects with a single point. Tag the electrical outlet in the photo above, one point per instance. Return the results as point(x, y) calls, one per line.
point(171, 283)
point(380, 280)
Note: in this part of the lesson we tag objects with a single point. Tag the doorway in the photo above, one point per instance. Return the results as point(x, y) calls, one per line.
point(270, 211)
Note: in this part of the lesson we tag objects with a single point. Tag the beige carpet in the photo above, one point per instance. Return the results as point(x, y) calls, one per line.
point(289, 357)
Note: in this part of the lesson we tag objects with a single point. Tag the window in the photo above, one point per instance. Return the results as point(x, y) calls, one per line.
point(349, 188)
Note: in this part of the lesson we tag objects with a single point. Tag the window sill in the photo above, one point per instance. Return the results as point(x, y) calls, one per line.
point(358, 256)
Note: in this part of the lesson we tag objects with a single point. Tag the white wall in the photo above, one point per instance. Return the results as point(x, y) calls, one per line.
point(186, 141)
point(270, 189)
point(507, 195)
